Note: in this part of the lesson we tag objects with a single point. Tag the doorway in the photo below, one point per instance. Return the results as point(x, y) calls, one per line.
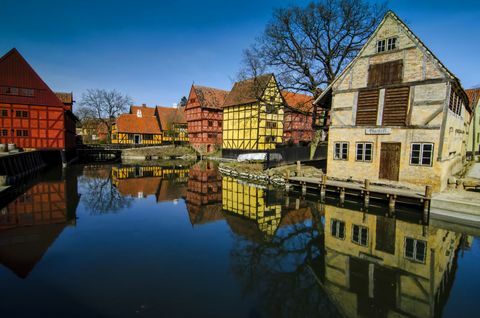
point(136, 139)
point(390, 161)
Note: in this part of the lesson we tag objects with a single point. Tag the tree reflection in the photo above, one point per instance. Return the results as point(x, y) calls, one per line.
point(279, 268)
point(100, 196)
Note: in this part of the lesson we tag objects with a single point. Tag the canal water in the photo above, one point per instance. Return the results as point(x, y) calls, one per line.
point(179, 241)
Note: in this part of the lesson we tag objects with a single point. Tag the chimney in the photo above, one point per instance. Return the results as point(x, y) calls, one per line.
point(144, 105)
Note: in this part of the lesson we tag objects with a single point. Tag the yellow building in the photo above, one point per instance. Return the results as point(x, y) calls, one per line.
point(173, 124)
point(253, 116)
point(375, 264)
point(139, 126)
point(250, 202)
point(397, 113)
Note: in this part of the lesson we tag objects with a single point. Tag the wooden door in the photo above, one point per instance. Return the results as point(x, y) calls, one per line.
point(389, 161)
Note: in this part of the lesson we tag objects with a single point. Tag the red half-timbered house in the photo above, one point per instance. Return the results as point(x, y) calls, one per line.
point(297, 120)
point(204, 117)
point(31, 115)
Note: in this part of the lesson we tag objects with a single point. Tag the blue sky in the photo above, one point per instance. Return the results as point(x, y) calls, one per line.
point(154, 50)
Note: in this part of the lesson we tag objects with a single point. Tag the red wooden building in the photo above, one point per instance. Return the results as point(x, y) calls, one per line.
point(297, 120)
point(31, 115)
point(204, 117)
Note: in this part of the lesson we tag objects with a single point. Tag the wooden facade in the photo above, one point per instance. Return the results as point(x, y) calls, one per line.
point(397, 113)
point(253, 115)
point(204, 117)
point(173, 124)
point(31, 115)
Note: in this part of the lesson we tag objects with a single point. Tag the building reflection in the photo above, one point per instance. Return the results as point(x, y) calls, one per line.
point(165, 183)
point(204, 194)
point(379, 266)
point(32, 222)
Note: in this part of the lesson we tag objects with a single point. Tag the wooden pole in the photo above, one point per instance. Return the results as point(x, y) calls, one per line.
point(366, 193)
point(323, 187)
point(342, 195)
point(304, 188)
point(299, 168)
point(391, 203)
point(426, 203)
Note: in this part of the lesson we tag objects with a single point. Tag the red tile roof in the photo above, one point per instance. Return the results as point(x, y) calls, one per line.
point(473, 96)
point(300, 102)
point(170, 115)
point(130, 123)
point(146, 111)
point(247, 91)
point(210, 97)
point(16, 73)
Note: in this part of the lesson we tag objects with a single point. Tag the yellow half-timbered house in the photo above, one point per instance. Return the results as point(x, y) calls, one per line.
point(139, 126)
point(250, 202)
point(253, 116)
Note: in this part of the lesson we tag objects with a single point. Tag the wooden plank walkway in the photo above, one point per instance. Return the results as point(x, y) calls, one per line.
point(363, 192)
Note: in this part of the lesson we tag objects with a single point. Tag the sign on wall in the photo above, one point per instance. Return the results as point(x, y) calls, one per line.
point(378, 131)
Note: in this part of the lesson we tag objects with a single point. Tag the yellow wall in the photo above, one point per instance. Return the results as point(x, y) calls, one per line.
point(245, 126)
point(181, 134)
point(249, 201)
point(417, 282)
point(128, 138)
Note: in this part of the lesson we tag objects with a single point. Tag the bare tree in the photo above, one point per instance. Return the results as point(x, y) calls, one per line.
point(307, 47)
point(104, 106)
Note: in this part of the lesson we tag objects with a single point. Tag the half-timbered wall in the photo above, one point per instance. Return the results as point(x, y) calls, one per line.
point(401, 95)
point(297, 127)
point(250, 202)
point(40, 127)
point(255, 126)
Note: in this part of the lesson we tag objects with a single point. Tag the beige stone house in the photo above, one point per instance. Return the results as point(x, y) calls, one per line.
point(397, 113)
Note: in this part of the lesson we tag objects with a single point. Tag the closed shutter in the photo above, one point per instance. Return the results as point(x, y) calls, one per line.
point(367, 107)
point(385, 73)
point(395, 106)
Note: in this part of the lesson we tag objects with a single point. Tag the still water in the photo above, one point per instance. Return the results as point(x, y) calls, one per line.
point(176, 241)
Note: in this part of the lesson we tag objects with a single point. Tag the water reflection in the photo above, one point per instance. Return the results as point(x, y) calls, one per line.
point(33, 221)
point(293, 257)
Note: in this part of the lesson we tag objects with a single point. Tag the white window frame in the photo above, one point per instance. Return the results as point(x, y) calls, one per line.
point(360, 236)
point(381, 46)
point(337, 228)
point(363, 154)
point(420, 159)
point(340, 155)
point(392, 43)
point(414, 257)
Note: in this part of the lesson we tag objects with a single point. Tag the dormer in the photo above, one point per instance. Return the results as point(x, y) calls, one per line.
point(139, 113)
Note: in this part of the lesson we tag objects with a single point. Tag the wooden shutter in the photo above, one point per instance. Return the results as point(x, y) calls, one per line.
point(367, 107)
point(395, 106)
point(385, 73)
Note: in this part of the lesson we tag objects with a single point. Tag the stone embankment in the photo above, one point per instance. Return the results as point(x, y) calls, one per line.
point(158, 153)
point(275, 176)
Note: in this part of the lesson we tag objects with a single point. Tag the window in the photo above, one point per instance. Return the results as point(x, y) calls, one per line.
point(386, 45)
point(21, 133)
point(148, 137)
point(415, 250)
point(4, 132)
point(391, 44)
point(24, 114)
point(380, 46)
point(341, 151)
point(421, 154)
point(4, 113)
point(364, 151)
point(210, 123)
point(219, 124)
point(360, 235)
point(272, 98)
point(269, 139)
point(338, 229)
point(18, 113)
point(271, 124)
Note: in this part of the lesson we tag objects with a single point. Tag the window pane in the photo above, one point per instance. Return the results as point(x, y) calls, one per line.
point(334, 228)
point(409, 247)
point(355, 233)
point(421, 247)
point(341, 230)
point(364, 236)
